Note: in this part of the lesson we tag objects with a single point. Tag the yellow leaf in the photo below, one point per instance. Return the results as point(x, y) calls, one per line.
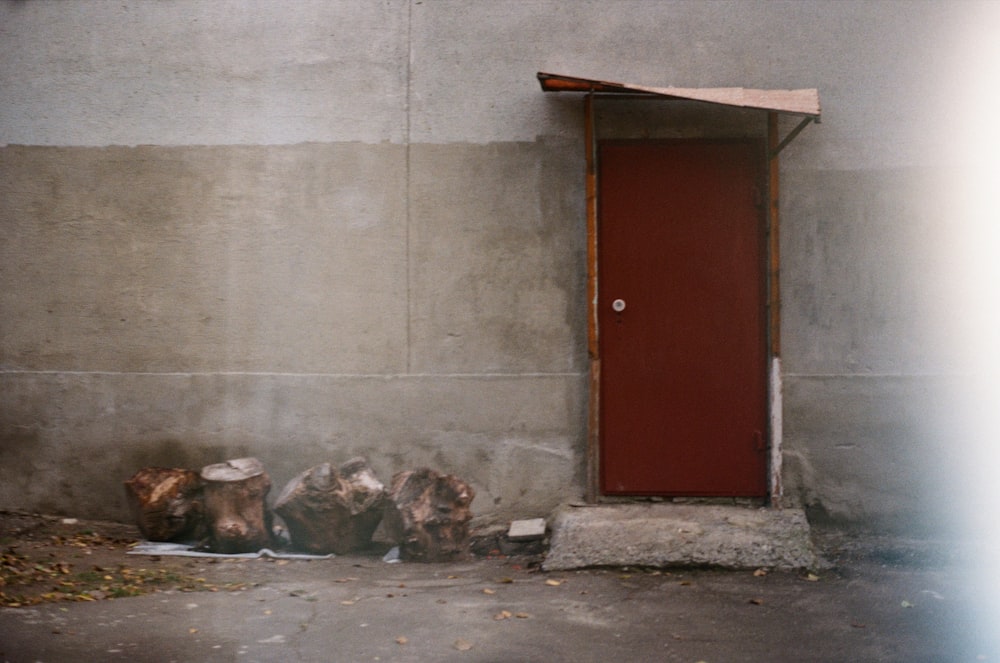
point(192, 630)
point(554, 583)
point(760, 573)
point(503, 614)
point(401, 640)
point(487, 590)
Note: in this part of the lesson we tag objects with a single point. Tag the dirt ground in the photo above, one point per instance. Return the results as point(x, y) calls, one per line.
point(68, 586)
point(49, 559)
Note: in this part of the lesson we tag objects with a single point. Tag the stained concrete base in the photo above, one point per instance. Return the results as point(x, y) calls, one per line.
point(659, 535)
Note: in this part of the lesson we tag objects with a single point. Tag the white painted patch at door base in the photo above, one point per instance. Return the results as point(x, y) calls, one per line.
point(774, 386)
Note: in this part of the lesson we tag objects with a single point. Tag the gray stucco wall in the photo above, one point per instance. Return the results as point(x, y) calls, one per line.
point(310, 231)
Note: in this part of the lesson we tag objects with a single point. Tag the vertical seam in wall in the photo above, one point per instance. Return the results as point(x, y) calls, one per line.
point(407, 202)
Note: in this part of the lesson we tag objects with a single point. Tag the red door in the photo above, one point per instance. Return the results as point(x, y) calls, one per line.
point(681, 319)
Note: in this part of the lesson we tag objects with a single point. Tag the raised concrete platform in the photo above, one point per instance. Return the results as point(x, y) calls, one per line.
point(660, 535)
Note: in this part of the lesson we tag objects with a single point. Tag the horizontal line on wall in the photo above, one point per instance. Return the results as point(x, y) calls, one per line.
point(873, 375)
point(374, 376)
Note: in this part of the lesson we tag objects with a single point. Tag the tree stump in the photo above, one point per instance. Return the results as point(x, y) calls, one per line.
point(428, 514)
point(167, 504)
point(238, 519)
point(332, 510)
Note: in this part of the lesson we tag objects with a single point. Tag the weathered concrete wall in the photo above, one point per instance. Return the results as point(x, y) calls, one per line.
point(315, 230)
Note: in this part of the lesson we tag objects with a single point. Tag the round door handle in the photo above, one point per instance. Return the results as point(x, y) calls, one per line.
point(618, 305)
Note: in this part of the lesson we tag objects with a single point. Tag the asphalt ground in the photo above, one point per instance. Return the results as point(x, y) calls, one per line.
point(874, 603)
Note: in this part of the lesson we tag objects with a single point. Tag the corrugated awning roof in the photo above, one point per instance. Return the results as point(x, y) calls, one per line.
point(794, 102)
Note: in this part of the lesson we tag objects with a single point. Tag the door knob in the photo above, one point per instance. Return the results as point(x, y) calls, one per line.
point(618, 305)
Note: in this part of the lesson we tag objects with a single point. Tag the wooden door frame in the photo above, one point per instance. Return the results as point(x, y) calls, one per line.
point(772, 314)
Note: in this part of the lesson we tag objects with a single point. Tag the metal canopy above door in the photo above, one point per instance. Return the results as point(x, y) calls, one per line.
point(803, 104)
point(794, 102)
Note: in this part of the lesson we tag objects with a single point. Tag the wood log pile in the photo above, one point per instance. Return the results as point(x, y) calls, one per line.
point(223, 508)
point(167, 503)
point(428, 514)
point(238, 517)
point(331, 509)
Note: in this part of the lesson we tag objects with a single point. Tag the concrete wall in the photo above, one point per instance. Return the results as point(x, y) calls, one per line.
point(313, 230)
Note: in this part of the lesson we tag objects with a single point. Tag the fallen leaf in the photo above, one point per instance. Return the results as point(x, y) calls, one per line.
point(756, 601)
point(760, 573)
point(811, 577)
point(347, 603)
point(503, 614)
point(487, 590)
point(906, 604)
point(401, 640)
point(462, 645)
point(452, 577)
point(192, 630)
point(554, 583)
point(521, 615)
point(505, 581)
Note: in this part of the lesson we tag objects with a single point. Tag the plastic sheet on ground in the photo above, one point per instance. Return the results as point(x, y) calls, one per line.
point(187, 550)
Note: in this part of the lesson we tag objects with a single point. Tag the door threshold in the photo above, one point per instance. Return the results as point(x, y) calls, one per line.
point(747, 502)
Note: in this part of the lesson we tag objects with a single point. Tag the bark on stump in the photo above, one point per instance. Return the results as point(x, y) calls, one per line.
point(428, 514)
point(238, 519)
point(333, 510)
point(167, 504)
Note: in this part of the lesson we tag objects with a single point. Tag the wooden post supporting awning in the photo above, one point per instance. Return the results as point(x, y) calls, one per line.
point(802, 103)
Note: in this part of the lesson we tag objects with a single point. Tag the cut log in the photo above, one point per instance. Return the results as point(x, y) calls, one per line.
point(238, 518)
point(428, 515)
point(167, 504)
point(332, 510)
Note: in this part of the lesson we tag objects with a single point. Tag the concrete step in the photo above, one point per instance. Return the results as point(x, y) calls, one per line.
point(664, 535)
